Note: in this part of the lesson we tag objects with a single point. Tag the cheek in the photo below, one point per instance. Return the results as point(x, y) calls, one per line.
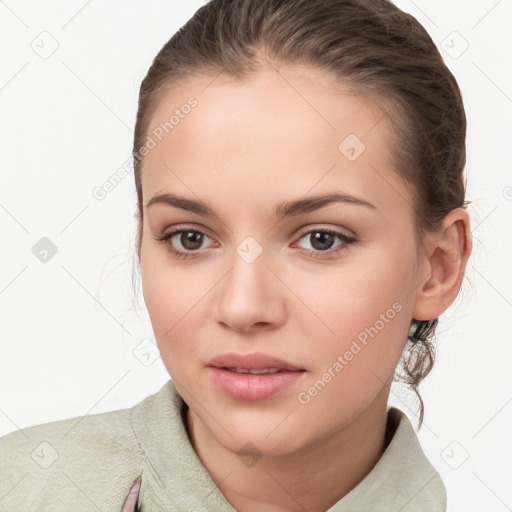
point(173, 302)
point(351, 369)
point(365, 291)
point(368, 313)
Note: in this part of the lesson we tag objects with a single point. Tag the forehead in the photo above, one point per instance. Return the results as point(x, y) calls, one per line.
point(279, 133)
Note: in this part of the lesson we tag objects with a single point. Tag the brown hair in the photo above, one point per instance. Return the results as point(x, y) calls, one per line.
point(370, 46)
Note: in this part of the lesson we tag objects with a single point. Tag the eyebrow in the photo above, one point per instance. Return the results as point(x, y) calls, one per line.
point(285, 209)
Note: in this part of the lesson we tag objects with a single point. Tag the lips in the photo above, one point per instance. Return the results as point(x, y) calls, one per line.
point(255, 371)
point(244, 363)
point(253, 376)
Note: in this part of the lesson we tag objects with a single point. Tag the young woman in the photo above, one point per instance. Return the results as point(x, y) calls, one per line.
point(302, 226)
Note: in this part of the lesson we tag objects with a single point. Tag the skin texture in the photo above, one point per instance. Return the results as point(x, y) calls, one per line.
point(245, 147)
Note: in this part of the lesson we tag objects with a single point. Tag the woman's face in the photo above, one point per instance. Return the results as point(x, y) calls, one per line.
point(280, 285)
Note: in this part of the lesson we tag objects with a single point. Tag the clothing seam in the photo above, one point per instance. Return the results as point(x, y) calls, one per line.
point(144, 461)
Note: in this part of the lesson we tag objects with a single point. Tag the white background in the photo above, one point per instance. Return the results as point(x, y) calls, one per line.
point(71, 328)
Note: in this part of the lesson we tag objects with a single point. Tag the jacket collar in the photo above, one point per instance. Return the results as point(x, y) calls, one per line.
point(173, 477)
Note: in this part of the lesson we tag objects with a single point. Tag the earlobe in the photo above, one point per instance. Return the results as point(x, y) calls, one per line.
point(448, 253)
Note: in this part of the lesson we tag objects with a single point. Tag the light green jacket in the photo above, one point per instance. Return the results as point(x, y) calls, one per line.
point(90, 464)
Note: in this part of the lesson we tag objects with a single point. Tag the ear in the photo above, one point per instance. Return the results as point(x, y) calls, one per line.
point(443, 266)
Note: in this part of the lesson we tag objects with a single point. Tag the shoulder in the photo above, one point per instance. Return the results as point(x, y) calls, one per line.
point(69, 462)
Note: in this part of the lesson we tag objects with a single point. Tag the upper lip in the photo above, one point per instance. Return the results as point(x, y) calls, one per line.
point(254, 360)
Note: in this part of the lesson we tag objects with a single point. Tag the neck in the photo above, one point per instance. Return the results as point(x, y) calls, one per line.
point(332, 466)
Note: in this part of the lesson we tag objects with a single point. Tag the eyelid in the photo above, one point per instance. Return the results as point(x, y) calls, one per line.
point(185, 227)
point(319, 227)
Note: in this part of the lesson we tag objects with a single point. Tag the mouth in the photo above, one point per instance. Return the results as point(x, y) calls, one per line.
point(253, 376)
point(257, 371)
point(255, 363)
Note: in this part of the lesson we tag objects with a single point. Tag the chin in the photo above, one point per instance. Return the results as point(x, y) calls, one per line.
point(256, 444)
point(248, 433)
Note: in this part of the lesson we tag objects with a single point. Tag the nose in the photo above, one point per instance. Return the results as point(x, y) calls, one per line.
point(251, 296)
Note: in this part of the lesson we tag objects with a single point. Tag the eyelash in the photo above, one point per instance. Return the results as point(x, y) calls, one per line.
point(347, 240)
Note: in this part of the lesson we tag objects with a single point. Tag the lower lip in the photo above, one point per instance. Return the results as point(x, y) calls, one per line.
point(246, 386)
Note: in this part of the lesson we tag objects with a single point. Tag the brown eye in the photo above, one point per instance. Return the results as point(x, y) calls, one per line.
point(322, 241)
point(190, 240)
point(183, 242)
